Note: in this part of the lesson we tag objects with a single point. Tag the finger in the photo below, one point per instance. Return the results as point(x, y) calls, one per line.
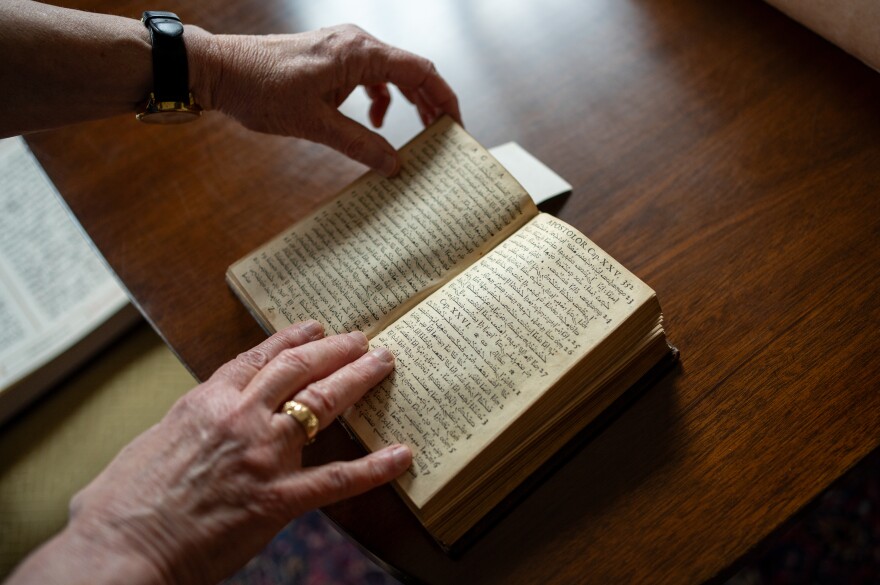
point(329, 397)
point(409, 71)
point(438, 94)
point(245, 366)
point(380, 100)
point(426, 113)
point(294, 369)
point(360, 143)
point(409, 94)
point(320, 486)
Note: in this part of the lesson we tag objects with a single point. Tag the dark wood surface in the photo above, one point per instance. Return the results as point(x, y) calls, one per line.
point(720, 151)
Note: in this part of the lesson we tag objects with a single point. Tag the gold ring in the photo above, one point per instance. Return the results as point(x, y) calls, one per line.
point(303, 416)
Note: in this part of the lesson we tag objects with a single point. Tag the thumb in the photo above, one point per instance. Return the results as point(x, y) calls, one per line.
point(360, 143)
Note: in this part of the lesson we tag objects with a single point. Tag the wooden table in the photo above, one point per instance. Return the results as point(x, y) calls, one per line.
point(719, 150)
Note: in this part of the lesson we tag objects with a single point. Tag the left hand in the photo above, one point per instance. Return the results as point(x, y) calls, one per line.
point(294, 84)
point(200, 493)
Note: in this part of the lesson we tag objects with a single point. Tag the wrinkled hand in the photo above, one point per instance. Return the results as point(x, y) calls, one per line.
point(293, 85)
point(205, 489)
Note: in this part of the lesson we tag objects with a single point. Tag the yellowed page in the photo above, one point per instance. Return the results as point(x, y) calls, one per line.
point(478, 352)
point(854, 25)
point(384, 244)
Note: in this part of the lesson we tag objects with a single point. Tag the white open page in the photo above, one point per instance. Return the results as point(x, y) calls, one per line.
point(54, 289)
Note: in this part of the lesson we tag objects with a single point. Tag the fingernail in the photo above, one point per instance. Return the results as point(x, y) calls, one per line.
point(401, 456)
point(313, 329)
point(359, 335)
point(383, 354)
point(390, 165)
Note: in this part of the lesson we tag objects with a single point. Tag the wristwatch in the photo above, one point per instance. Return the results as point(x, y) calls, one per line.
point(170, 102)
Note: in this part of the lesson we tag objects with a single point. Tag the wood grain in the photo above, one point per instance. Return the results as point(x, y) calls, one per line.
point(719, 150)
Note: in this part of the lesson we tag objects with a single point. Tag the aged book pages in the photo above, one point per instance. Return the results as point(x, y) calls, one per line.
point(512, 330)
point(478, 353)
point(384, 244)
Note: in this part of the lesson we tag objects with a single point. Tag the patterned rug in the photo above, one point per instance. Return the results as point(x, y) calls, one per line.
point(310, 551)
point(836, 541)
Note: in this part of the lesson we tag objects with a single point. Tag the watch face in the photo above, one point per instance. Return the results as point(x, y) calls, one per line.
point(169, 117)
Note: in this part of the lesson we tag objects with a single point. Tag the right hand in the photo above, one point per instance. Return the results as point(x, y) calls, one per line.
point(294, 84)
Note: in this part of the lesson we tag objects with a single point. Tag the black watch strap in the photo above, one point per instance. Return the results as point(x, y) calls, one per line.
point(170, 68)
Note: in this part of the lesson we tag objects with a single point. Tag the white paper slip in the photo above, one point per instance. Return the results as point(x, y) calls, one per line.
point(536, 177)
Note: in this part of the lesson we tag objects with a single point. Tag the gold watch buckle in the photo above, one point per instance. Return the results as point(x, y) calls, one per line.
point(156, 112)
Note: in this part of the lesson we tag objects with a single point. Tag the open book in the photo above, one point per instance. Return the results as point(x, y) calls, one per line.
point(59, 304)
point(512, 330)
